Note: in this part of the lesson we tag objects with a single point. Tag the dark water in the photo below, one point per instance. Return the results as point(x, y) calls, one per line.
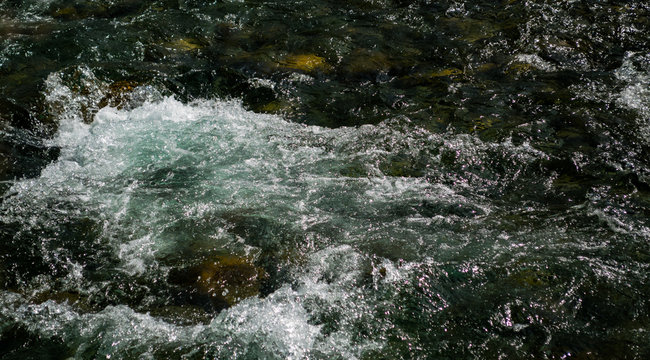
point(324, 179)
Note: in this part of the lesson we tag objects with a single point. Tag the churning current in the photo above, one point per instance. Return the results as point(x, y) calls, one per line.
point(318, 180)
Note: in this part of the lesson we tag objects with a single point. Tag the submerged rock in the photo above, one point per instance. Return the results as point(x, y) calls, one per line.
point(305, 62)
point(366, 62)
point(445, 72)
point(233, 278)
point(118, 94)
point(483, 123)
point(185, 44)
point(274, 107)
point(519, 68)
point(280, 247)
point(81, 92)
point(224, 279)
point(472, 30)
point(530, 276)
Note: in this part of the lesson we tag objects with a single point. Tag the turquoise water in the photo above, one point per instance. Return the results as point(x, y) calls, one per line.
point(311, 180)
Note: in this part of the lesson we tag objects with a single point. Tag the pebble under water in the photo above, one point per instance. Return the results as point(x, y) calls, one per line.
point(319, 179)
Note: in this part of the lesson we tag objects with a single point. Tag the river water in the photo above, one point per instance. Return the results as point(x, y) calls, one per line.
point(364, 179)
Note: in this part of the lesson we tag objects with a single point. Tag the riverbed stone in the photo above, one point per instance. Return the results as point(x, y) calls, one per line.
point(366, 62)
point(224, 279)
point(118, 94)
point(305, 62)
point(519, 68)
point(184, 44)
point(532, 277)
point(482, 123)
point(471, 30)
point(448, 72)
point(274, 107)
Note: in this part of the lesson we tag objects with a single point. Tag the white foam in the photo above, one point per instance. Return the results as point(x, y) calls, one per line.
point(536, 61)
point(636, 93)
point(144, 169)
point(137, 173)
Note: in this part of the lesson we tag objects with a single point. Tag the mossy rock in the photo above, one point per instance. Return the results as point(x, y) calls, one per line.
point(83, 10)
point(443, 117)
point(437, 79)
point(449, 72)
point(472, 30)
point(280, 246)
point(234, 278)
point(520, 68)
point(118, 94)
point(68, 12)
point(274, 107)
point(87, 92)
point(569, 183)
point(224, 279)
point(483, 123)
point(569, 134)
point(363, 62)
point(305, 62)
point(486, 68)
point(18, 77)
point(184, 44)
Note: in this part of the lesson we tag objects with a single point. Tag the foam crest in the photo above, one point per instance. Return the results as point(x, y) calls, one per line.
point(636, 92)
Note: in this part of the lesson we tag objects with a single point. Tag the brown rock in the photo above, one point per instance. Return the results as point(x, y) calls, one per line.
point(230, 277)
point(118, 94)
point(224, 279)
point(305, 62)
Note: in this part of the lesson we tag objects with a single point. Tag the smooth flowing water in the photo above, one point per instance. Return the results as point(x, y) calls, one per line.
point(324, 179)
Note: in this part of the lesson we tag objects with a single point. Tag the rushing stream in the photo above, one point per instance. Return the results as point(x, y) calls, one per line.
point(321, 179)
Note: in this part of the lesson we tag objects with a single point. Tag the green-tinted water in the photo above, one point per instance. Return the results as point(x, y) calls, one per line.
point(324, 179)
